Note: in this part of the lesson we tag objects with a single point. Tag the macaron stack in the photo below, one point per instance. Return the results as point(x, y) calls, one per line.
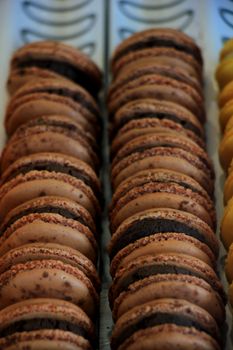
point(50, 201)
point(224, 79)
point(165, 292)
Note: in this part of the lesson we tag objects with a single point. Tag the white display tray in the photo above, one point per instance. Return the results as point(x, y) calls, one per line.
point(97, 26)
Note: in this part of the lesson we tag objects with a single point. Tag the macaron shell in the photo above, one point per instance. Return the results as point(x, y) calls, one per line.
point(145, 66)
point(160, 55)
point(43, 340)
point(146, 126)
point(158, 109)
point(48, 279)
point(169, 337)
point(160, 157)
point(46, 141)
point(64, 60)
point(162, 244)
point(21, 76)
point(158, 88)
point(42, 183)
point(49, 228)
point(158, 37)
point(168, 196)
point(226, 50)
point(192, 289)
point(50, 251)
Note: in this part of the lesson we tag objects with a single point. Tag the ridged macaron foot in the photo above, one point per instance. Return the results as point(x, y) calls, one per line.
point(161, 220)
point(59, 58)
point(163, 150)
point(159, 37)
point(48, 277)
point(160, 189)
point(147, 66)
point(50, 134)
point(45, 324)
point(167, 276)
point(50, 251)
point(158, 109)
point(47, 97)
point(167, 312)
point(158, 87)
point(147, 126)
point(43, 174)
point(50, 220)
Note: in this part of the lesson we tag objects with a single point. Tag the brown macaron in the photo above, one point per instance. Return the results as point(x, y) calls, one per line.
point(46, 97)
point(45, 174)
point(45, 323)
point(161, 220)
point(163, 150)
point(52, 58)
point(48, 277)
point(158, 109)
point(50, 220)
point(167, 313)
point(167, 276)
point(157, 38)
point(158, 87)
point(55, 133)
point(160, 188)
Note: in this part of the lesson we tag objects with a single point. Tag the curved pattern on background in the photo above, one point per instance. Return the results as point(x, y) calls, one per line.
point(226, 14)
point(48, 16)
point(154, 14)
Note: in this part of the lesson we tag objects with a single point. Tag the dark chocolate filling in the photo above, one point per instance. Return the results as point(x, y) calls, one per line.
point(65, 69)
point(155, 319)
point(159, 115)
point(34, 324)
point(58, 168)
point(45, 209)
point(163, 269)
point(152, 42)
point(151, 226)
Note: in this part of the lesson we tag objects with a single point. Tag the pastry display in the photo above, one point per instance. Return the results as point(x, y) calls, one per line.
point(165, 291)
point(50, 200)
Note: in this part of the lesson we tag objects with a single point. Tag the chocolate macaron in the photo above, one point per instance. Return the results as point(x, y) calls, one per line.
point(50, 274)
point(55, 133)
point(160, 188)
point(50, 220)
point(167, 276)
point(153, 322)
point(50, 58)
point(161, 220)
point(157, 38)
point(49, 174)
point(46, 97)
point(145, 126)
point(45, 323)
point(158, 109)
point(163, 150)
point(158, 87)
